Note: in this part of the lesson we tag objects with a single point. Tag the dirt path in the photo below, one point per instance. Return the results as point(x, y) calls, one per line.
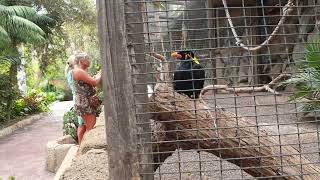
point(22, 154)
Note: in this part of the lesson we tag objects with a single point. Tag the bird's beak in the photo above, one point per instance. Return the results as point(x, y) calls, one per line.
point(176, 55)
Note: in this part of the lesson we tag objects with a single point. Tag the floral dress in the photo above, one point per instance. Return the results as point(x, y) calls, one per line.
point(83, 92)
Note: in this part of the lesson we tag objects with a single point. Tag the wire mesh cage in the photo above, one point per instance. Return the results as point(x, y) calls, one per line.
point(232, 86)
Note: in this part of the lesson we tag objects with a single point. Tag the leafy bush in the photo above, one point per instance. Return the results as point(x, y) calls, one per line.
point(35, 103)
point(31, 104)
point(70, 124)
point(307, 80)
point(8, 95)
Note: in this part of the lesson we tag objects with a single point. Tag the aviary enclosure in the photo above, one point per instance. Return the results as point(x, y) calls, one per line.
point(254, 117)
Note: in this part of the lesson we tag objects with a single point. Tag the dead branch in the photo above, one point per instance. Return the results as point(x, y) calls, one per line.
point(264, 88)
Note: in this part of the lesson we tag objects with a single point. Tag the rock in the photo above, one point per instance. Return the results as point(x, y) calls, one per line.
point(96, 138)
point(92, 165)
point(100, 120)
point(56, 152)
point(314, 35)
point(299, 51)
point(66, 163)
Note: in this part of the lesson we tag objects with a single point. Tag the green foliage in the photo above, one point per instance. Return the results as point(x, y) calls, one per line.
point(307, 80)
point(35, 103)
point(70, 124)
point(8, 95)
point(17, 24)
point(31, 104)
point(12, 178)
point(13, 106)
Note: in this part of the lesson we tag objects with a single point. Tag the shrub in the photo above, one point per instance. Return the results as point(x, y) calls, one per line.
point(31, 104)
point(70, 124)
point(8, 95)
point(34, 103)
point(307, 80)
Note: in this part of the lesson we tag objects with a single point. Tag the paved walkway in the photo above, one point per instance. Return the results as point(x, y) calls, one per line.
point(23, 153)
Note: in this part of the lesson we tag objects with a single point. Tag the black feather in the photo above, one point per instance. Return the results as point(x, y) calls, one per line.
point(188, 76)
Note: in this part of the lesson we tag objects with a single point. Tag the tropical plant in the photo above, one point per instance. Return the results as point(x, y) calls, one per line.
point(307, 80)
point(18, 25)
point(7, 92)
point(70, 124)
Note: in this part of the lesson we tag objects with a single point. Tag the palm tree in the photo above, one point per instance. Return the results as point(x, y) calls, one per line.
point(307, 80)
point(18, 25)
point(21, 24)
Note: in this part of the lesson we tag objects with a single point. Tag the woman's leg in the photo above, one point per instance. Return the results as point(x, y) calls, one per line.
point(89, 121)
point(81, 130)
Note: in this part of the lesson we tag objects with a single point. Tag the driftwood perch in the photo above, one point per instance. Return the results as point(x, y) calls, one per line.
point(191, 125)
point(264, 88)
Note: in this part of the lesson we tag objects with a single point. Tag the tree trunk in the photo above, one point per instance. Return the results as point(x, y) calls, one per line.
point(14, 83)
point(21, 72)
point(223, 134)
point(43, 65)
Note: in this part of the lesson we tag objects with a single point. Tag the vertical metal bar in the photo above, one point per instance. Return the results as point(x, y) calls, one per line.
point(211, 36)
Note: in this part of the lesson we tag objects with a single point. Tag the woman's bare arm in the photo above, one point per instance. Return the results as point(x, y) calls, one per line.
point(79, 74)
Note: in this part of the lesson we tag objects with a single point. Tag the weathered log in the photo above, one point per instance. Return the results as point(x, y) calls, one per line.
point(222, 133)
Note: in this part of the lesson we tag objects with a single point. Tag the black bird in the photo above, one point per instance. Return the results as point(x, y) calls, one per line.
point(189, 75)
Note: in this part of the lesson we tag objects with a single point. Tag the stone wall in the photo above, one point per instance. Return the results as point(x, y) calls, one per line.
point(92, 161)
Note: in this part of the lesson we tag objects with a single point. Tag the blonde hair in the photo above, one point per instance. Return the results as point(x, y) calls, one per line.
point(71, 62)
point(82, 56)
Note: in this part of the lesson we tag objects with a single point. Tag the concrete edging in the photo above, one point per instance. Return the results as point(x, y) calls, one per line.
point(56, 152)
point(11, 129)
point(67, 161)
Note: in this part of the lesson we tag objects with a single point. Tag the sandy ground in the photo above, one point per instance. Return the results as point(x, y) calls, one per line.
point(268, 112)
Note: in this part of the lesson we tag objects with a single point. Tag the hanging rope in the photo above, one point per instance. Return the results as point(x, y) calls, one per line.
point(285, 12)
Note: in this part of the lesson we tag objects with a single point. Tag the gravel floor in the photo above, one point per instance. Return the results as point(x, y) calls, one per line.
point(271, 113)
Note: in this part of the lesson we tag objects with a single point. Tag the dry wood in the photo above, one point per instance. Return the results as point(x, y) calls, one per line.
point(218, 3)
point(222, 133)
point(264, 88)
point(194, 125)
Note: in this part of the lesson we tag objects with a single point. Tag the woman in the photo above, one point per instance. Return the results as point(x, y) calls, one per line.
point(71, 64)
point(84, 90)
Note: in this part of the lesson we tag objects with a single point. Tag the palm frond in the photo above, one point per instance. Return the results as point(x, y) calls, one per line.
point(4, 11)
point(24, 29)
point(9, 59)
point(43, 19)
point(298, 79)
point(307, 107)
point(45, 23)
point(313, 54)
point(22, 11)
point(4, 36)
